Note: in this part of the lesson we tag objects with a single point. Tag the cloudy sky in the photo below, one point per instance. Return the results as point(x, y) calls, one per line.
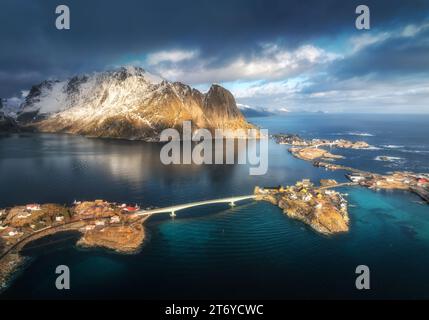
point(299, 55)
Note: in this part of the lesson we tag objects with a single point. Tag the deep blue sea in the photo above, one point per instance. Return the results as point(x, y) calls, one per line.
point(250, 251)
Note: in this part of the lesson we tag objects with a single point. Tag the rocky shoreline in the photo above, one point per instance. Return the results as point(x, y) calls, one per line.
point(101, 223)
point(297, 141)
point(311, 153)
point(309, 150)
point(121, 239)
point(322, 208)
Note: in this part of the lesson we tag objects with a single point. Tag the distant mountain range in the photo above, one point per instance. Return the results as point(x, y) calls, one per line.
point(127, 103)
point(252, 112)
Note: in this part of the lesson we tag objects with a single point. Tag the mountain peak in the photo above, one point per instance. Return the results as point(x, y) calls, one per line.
point(125, 72)
point(127, 102)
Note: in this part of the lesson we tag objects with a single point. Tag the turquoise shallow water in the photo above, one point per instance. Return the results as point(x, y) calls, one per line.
point(249, 251)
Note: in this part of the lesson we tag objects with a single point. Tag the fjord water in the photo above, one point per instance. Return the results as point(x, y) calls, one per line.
point(250, 251)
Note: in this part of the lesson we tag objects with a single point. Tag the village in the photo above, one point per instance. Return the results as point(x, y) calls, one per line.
point(320, 207)
point(309, 150)
point(409, 181)
point(20, 221)
point(417, 183)
point(104, 224)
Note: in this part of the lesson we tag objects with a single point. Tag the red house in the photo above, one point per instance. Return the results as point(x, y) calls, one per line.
point(131, 209)
point(423, 181)
point(33, 207)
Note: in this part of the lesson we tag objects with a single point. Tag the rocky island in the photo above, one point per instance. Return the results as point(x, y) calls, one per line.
point(313, 149)
point(309, 150)
point(321, 208)
point(310, 153)
point(296, 140)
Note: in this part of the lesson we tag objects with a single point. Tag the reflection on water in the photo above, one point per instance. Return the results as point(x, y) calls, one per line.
point(250, 251)
point(61, 168)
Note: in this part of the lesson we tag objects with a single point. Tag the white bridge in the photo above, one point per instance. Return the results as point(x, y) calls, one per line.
point(172, 210)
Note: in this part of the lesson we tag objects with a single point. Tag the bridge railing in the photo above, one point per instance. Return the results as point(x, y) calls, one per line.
point(178, 207)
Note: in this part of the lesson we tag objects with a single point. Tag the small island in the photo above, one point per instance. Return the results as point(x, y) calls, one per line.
point(312, 153)
point(322, 208)
point(310, 150)
point(297, 141)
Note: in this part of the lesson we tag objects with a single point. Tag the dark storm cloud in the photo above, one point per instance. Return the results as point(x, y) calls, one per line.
point(392, 57)
point(397, 56)
point(105, 32)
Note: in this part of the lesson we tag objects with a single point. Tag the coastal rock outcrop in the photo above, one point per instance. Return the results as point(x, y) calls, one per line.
point(313, 153)
point(322, 209)
point(123, 239)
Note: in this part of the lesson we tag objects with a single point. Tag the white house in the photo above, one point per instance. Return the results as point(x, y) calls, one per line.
point(293, 197)
point(115, 219)
point(23, 216)
point(307, 197)
point(33, 207)
point(12, 233)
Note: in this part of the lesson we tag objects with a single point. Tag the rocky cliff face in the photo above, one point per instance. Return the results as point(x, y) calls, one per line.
point(127, 103)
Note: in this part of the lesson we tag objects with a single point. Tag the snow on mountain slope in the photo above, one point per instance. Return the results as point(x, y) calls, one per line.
point(126, 103)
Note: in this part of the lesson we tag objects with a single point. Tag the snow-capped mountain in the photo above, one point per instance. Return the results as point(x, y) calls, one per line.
point(126, 103)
